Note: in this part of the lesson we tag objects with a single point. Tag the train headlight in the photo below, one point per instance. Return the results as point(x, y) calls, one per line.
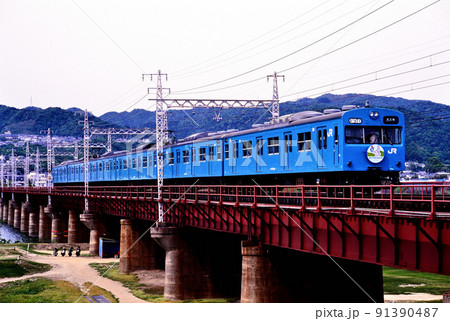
point(373, 114)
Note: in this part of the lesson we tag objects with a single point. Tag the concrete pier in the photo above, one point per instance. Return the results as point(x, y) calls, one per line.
point(24, 217)
point(5, 211)
point(138, 251)
point(197, 264)
point(96, 226)
point(1, 209)
point(44, 225)
point(33, 222)
point(17, 216)
point(272, 274)
point(11, 209)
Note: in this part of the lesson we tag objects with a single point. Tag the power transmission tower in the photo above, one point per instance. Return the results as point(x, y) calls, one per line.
point(162, 105)
point(86, 138)
point(276, 103)
point(161, 136)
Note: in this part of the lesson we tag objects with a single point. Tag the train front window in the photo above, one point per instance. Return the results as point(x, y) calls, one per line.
point(372, 135)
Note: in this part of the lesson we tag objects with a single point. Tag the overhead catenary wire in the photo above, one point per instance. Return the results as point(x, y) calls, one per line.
point(287, 55)
point(292, 53)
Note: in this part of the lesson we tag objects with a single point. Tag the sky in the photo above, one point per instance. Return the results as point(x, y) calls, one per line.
point(91, 54)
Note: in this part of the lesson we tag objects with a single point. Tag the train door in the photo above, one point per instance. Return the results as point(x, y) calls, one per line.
point(336, 154)
point(287, 152)
point(234, 155)
point(322, 145)
point(259, 153)
point(177, 163)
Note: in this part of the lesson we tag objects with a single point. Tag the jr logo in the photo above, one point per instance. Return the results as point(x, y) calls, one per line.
point(392, 151)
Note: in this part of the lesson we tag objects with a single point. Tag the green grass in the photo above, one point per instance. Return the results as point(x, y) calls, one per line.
point(41, 290)
point(425, 282)
point(12, 268)
point(142, 291)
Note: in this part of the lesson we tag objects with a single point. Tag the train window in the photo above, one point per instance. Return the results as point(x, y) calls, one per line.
point(211, 153)
point(304, 141)
point(336, 135)
point(139, 162)
point(287, 143)
point(194, 155)
point(319, 139)
point(144, 162)
point(124, 164)
point(100, 167)
point(155, 159)
point(178, 157)
point(185, 156)
point(202, 154)
point(325, 139)
point(219, 153)
point(235, 149)
point(372, 135)
point(171, 160)
point(227, 151)
point(134, 163)
point(247, 148)
point(107, 166)
point(259, 146)
point(273, 146)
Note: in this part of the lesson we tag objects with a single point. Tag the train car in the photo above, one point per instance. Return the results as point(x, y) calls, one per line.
point(348, 146)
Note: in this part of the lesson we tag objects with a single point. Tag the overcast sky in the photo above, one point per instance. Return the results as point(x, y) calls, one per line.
point(91, 54)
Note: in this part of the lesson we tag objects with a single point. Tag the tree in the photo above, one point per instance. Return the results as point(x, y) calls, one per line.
point(434, 165)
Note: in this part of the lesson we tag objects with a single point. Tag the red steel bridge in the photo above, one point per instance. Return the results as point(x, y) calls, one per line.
point(406, 226)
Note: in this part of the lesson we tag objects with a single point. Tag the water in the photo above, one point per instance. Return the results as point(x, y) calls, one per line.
point(10, 234)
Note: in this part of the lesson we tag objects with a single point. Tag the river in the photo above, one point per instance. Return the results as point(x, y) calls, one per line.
point(8, 233)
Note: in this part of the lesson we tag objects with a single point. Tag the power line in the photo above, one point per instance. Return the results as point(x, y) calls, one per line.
point(117, 45)
point(288, 55)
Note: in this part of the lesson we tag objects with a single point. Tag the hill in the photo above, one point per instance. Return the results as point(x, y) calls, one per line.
point(426, 132)
point(33, 120)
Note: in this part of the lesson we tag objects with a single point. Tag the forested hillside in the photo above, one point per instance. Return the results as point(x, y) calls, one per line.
point(33, 120)
point(427, 132)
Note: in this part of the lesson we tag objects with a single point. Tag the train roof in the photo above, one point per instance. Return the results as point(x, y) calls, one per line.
point(289, 120)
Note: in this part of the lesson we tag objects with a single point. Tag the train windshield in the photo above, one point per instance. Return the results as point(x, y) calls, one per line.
point(372, 135)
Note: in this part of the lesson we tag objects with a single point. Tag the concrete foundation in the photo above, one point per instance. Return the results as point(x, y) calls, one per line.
point(5, 212)
point(17, 215)
point(24, 218)
point(59, 230)
point(197, 264)
point(96, 226)
point(271, 274)
point(138, 251)
point(33, 222)
point(11, 209)
point(44, 225)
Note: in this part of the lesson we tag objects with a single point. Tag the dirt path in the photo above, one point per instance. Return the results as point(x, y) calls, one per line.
point(77, 271)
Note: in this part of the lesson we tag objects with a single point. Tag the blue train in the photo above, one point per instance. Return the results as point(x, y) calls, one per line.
point(349, 146)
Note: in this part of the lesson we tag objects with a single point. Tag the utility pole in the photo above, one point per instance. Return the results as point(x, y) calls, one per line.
point(14, 168)
point(2, 168)
point(37, 167)
point(276, 103)
point(86, 138)
point(161, 133)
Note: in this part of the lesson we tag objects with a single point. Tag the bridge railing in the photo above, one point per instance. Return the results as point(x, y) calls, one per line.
point(390, 200)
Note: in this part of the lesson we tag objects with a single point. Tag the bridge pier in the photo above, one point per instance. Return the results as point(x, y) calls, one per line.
point(12, 207)
point(96, 226)
point(33, 222)
point(272, 274)
point(5, 211)
point(1, 209)
point(144, 254)
point(77, 232)
point(44, 225)
point(17, 213)
point(24, 218)
point(197, 264)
